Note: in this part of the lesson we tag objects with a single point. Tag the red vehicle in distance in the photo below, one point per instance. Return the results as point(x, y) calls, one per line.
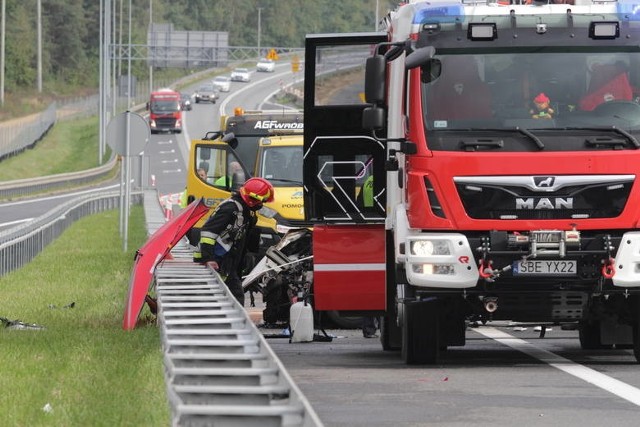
point(165, 113)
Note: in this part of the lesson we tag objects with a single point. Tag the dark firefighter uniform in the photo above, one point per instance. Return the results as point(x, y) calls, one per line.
point(223, 239)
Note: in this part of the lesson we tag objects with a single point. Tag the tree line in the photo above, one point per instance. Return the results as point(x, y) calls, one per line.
point(71, 30)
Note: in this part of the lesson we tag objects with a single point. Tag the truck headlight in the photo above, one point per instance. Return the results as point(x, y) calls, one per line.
point(442, 269)
point(430, 247)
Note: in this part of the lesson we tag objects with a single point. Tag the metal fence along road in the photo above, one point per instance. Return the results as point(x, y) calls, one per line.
point(21, 244)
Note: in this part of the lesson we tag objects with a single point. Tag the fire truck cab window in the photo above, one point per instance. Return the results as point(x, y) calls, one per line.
point(459, 93)
point(340, 75)
point(552, 89)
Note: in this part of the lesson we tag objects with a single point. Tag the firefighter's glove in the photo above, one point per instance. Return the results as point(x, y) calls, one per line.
point(213, 264)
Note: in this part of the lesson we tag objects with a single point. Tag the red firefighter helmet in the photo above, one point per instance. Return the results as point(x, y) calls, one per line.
point(256, 190)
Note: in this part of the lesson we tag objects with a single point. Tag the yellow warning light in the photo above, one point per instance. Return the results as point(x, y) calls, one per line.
point(238, 111)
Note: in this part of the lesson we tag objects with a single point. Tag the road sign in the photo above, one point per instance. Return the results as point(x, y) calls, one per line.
point(273, 55)
point(139, 134)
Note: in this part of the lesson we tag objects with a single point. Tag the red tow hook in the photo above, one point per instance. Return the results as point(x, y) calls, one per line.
point(485, 270)
point(609, 269)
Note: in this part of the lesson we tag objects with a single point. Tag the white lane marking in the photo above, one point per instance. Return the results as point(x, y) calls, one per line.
point(266, 99)
point(172, 171)
point(165, 142)
point(620, 389)
point(223, 104)
point(167, 152)
point(170, 161)
point(18, 221)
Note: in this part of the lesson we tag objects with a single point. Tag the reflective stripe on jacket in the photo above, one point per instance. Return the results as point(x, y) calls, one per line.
point(226, 226)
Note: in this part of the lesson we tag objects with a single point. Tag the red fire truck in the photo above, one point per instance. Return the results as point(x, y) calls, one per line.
point(503, 141)
point(165, 114)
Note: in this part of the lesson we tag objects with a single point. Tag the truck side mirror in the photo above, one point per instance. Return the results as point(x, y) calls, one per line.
point(373, 118)
point(419, 57)
point(375, 79)
point(230, 139)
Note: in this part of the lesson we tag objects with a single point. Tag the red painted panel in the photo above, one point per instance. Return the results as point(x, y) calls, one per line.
point(349, 267)
point(151, 253)
point(348, 244)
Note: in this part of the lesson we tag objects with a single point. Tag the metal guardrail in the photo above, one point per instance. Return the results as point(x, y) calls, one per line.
point(219, 369)
point(29, 186)
point(20, 244)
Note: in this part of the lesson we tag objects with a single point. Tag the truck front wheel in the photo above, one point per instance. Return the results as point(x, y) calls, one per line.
point(421, 332)
point(390, 330)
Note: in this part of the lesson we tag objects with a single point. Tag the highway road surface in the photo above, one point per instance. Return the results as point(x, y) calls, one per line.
point(504, 376)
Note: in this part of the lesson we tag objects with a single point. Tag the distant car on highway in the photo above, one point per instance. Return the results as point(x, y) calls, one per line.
point(185, 102)
point(266, 65)
point(223, 83)
point(240, 75)
point(206, 93)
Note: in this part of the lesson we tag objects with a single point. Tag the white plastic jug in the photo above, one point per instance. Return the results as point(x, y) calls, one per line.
point(301, 320)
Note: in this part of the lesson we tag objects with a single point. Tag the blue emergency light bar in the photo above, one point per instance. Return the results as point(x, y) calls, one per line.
point(630, 9)
point(438, 13)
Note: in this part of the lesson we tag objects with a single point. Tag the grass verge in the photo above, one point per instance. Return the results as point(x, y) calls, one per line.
point(82, 364)
point(68, 147)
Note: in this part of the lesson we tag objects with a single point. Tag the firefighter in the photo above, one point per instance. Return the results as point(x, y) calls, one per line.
point(229, 232)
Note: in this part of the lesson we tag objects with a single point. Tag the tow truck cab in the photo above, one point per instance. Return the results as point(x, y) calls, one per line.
point(253, 143)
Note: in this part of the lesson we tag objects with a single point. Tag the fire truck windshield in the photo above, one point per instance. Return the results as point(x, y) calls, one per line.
point(540, 96)
point(548, 89)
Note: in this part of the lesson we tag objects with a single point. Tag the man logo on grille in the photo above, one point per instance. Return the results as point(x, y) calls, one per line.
point(543, 181)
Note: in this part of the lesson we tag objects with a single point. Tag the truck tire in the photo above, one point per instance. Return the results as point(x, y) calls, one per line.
point(421, 332)
point(277, 303)
point(390, 331)
point(589, 334)
point(635, 316)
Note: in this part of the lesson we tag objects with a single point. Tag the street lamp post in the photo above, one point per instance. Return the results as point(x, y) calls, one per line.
point(259, 29)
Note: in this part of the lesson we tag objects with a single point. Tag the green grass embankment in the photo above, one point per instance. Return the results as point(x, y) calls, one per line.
point(83, 365)
point(90, 371)
point(69, 146)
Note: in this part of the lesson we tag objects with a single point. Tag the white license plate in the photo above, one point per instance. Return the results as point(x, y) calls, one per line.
point(545, 268)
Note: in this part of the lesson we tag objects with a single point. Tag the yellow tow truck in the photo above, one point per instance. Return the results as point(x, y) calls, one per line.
point(260, 143)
